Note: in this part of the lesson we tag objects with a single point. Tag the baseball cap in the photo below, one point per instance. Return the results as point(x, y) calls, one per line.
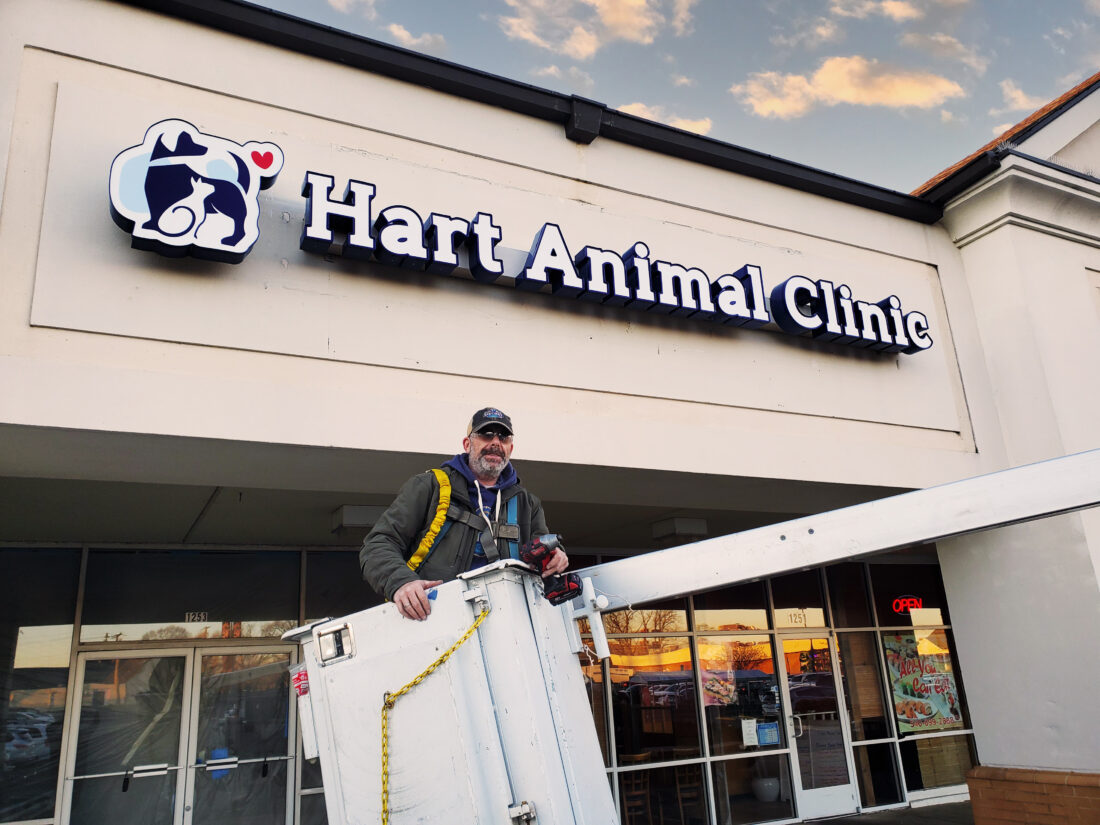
point(489, 415)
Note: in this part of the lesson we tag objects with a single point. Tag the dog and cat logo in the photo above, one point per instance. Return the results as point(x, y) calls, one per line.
point(182, 192)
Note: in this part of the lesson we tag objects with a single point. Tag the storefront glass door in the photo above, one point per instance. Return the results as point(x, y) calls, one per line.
point(181, 737)
point(816, 726)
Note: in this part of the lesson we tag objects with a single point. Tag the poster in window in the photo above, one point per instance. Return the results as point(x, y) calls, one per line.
point(925, 695)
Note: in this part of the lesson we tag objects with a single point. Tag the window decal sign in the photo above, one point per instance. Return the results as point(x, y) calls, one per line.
point(182, 192)
point(925, 696)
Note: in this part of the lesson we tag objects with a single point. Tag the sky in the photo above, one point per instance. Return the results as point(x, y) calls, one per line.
point(888, 92)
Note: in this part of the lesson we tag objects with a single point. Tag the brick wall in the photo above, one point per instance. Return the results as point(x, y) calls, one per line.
point(1011, 796)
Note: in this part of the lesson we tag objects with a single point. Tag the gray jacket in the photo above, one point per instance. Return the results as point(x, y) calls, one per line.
point(395, 537)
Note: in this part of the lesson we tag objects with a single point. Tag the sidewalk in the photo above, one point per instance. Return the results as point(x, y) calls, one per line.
point(956, 813)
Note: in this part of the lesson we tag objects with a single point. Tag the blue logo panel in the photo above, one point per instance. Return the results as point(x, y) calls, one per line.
point(182, 192)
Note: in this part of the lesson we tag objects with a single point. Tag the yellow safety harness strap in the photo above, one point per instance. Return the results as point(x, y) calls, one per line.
point(426, 543)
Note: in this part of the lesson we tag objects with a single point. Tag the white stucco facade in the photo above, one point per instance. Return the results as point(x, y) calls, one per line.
point(302, 372)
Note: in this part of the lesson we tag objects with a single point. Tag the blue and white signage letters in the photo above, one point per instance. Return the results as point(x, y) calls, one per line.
point(181, 192)
point(635, 278)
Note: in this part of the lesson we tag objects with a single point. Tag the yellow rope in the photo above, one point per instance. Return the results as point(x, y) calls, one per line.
point(390, 700)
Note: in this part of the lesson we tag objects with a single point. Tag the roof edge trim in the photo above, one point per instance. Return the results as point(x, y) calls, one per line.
point(577, 115)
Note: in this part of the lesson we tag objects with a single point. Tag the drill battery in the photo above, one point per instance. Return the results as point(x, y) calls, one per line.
point(559, 587)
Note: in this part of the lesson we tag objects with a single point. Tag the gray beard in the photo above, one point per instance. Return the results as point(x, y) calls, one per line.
point(484, 468)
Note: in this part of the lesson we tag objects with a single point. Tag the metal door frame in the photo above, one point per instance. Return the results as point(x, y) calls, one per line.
point(72, 732)
point(189, 703)
point(192, 725)
point(802, 795)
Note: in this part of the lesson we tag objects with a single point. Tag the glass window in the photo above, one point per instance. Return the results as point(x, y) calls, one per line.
point(672, 795)
point(798, 600)
point(670, 616)
point(145, 596)
point(311, 774)
point(335, 586)
point(130, 712)
point(741, 607)
point(848, 595)
point(877, 772)
point(753, 790)
point(592, 670)
point(740, 694)
point(654, 702)
point(909, 594)
point(863, 689)
point(937, 762)
point(925, 692)
point(36, 633)
point(313, 810)
point(579, 562)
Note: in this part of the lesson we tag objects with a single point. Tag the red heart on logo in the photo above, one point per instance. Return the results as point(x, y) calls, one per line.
point(263, 160)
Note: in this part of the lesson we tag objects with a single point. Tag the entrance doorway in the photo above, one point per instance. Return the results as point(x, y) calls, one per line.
point(197, 736)
point(817, 727)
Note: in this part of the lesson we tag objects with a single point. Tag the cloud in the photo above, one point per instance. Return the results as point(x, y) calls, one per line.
point(1001, 128)
point(580, 28)
point(426, 42)
point(808, 34)
point(1093, 6)
point(366, 7)
point(946, 46)
point(581, 79)
point(682, 20)
point(900, 10)
point(1016, 100)
point(578, 79)
point(634, 20)
point(853, 80)
point(701, 126)
point(581, 44)
point(897, 10)
point(682, 80)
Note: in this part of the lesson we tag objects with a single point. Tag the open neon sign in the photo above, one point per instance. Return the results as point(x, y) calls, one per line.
point(906, 604)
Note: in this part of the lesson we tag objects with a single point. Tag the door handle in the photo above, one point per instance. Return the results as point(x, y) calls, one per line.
point(801, 729)
point(223, 764)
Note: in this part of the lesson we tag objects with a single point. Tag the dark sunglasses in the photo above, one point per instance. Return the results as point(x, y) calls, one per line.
point(489, 435)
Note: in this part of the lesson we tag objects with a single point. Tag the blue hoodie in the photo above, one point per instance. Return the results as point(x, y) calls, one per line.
point(508, 478)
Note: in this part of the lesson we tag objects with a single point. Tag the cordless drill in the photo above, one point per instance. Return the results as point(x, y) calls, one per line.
point(560, 587)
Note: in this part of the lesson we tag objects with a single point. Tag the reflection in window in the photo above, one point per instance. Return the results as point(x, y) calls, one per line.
point(146, 596)
point(335, 586)
point(656, 617)
point(313, 810)
point(848, 595)
point(877, 773)
point(742, 607)
point(36, 632)
point(937, 762)
point(672, 795)
point(592, 672)
point(798, 600)
point(753, 790)
point(740, 693)
point(653, 697)
point(863, 690)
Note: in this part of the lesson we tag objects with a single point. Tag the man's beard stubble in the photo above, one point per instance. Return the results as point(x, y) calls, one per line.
point(482, 467)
